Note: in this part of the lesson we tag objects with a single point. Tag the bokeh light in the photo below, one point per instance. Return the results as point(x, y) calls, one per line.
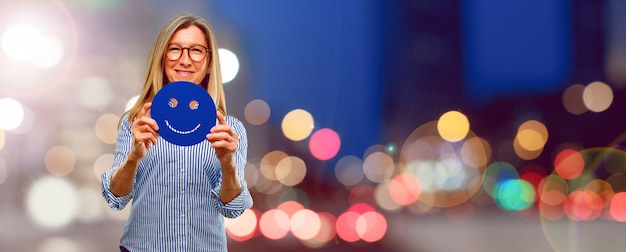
point(269, 162)
point(229, 65)
point(514, 194)
point(569, 164)
point(290, 171)
point(55, 244)
point(598, 96)
point(573, 99)
point(326, 231)
point(346, 226)
point(243, 227)
point(297, 124)
point(2, 138)
point(22, 42)
point(4, 172)
point(257, 112)
point(274, 224)
point(361, 222)
point(453, 126)
point(95, 93)
point(52, 202)
point(533, 174)
point(603, 189)
point(405, 189)
point(383, 197)
point(617, 181)
point(90, 208)
point(378, 166)
point(39, 37)
point(11, 114)
point(305, 224)
point(363, 193)
point(581, 205)
point(295, 195)
point(371, 226)
point(28, 121)
point(617, 208)
point(131, 102)
point(324, 144)
point(106, 128)
point(60, 160)
point(102, 164)
point(532, 135)
point(497, 173)
point(51, 53)
point(524, 153)
point(349, 170)
point(476, 152)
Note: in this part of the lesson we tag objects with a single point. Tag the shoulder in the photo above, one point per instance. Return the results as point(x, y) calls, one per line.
point(237, 125)
point(233, 121)
point(124, 123)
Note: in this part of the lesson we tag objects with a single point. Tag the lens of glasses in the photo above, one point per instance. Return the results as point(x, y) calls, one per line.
point(196, 52)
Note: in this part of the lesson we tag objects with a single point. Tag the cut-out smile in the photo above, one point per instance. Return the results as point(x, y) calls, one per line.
point(180, 131)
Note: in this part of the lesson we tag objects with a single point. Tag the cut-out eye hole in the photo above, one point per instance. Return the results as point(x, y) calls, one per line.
point(194, 105)
point(173, 102)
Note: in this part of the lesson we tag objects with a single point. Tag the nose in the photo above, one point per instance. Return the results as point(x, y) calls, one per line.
point(185, 59)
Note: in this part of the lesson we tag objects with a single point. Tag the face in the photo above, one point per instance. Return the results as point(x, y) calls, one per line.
point(187, 41)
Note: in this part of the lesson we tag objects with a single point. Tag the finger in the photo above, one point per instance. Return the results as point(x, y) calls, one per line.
point(220, 118)
point(146, 145)
point(143, 116)
point(145, 136)
point(230, 137)
point(148, 122)
point(145, 109)
point(152, 123)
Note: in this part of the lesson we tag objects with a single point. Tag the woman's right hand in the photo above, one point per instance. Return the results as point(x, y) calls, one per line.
point(144, 131)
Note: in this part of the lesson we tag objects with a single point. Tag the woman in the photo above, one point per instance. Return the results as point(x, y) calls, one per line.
point(180, 193)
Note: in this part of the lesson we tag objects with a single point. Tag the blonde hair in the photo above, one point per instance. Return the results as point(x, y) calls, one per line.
point(155, 77)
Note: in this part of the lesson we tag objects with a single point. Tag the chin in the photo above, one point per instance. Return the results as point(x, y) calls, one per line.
point(192, 80)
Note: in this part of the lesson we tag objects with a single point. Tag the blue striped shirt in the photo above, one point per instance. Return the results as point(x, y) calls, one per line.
point(176, 204)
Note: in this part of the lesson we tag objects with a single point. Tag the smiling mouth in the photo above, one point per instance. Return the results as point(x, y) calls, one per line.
point(180, 131)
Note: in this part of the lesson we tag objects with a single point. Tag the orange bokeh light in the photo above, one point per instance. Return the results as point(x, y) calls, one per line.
point(371, 226)
point(569, 164)
point(305, 224)
point(346, 226)
point(243, 227)
point(617, 209)
point(274, 224)
point(361, 222)
point(582, 205)
point(405, 189)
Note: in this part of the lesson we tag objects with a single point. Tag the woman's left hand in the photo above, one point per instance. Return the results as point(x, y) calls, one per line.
point(223, 140)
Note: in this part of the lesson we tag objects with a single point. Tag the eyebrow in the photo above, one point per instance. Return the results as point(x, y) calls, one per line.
point(178, 44)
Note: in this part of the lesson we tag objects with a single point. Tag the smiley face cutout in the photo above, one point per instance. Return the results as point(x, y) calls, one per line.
point(185, 113)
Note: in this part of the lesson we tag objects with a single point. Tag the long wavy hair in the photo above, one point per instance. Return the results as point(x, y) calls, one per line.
point(155, 76)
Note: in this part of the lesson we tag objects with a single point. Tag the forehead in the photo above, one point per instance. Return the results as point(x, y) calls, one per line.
point(189, 35)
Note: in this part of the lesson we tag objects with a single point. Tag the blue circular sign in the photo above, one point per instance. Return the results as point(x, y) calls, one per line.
point(184, 112)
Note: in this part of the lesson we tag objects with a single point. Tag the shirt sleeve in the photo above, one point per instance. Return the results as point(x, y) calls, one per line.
point(122, 148)
point(239, 204)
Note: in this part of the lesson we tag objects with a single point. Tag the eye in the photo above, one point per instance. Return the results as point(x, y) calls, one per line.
point(173, 102)
point(194, 105)
point(174, 48)
point(197, 49)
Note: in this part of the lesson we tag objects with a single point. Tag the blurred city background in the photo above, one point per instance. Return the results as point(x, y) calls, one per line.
point(411, 125)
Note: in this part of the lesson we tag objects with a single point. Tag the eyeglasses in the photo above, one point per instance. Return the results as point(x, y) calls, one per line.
point(195, 52)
